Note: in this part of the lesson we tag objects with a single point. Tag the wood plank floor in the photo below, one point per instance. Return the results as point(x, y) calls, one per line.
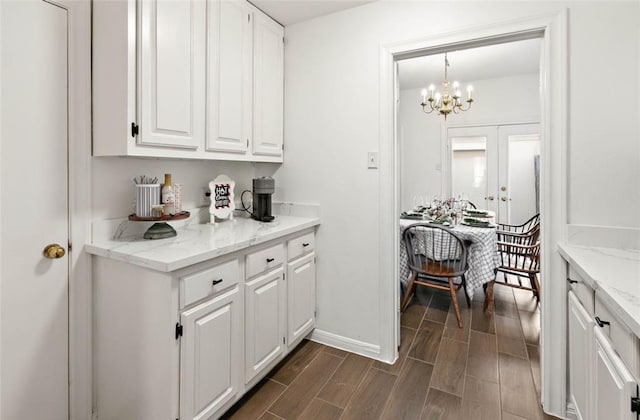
point(487, 370)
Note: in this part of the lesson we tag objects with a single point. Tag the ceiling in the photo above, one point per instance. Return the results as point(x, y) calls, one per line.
point(288, 12)
point(490, 62)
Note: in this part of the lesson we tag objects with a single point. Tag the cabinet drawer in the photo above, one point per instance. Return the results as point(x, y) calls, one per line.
point(301, 245)
point(624, 341)
point(208, 282)
point(584, 293)
point(263, 260)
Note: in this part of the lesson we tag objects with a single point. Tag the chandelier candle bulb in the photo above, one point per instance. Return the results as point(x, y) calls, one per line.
point(424, 96)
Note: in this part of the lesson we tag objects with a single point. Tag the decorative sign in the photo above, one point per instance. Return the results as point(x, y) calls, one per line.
point(222, 198)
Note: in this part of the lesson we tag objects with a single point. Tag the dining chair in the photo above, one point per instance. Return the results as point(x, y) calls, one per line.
point(523, 228)
point(519, 255)
point(437, 258)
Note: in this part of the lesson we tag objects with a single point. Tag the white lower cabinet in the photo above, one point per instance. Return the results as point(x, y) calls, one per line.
point(580, 357)
point(210, 362)
point(188, 344)
point(614, 385)
point(602, 385)
point(301, 299)
point(265, 303)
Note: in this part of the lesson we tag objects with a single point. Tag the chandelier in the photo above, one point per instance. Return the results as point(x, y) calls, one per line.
point(445, 103)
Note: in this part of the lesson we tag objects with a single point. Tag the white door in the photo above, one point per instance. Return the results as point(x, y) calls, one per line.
point(580, 358)
point(301, 297)
point(519, 172)
point(34, 209)
point(264, 322)
point(614, 385)
point(229, 65)
point(497, 168)
point(172, 73)
point(473, 160)
point(268, 86)
point(210, 355)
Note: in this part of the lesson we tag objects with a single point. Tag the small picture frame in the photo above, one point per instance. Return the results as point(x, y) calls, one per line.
point(222, 198)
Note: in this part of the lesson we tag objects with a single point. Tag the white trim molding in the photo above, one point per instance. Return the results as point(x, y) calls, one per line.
point(79, 178)
point(552, 29)
point(345, 343)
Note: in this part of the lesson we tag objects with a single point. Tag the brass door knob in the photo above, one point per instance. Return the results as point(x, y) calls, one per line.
point(53, 251)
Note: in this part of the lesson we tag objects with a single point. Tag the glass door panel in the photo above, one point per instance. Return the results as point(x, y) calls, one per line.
point(469, 168)
point(472, 165)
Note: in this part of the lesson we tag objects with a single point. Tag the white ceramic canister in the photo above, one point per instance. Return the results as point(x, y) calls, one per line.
point(147, 196)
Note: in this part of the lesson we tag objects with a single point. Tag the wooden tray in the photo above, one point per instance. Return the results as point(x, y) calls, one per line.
point(167, 218)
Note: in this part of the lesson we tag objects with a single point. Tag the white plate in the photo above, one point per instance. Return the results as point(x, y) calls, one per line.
point(478, 225)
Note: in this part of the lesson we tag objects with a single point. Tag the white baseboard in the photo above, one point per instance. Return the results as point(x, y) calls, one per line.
point(571, 411)
point(347, 344)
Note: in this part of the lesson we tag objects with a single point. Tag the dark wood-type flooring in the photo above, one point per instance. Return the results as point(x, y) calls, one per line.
point(488, 370)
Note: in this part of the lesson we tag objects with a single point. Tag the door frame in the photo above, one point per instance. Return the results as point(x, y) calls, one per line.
point(552, 29)
point(80, 211)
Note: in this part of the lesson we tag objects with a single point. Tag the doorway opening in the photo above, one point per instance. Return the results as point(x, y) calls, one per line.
point(551, 29)
point(469, 158)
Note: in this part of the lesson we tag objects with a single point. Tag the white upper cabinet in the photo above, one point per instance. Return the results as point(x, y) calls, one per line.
point(268, 86)
point(187, 79)
point(172, 69)
point(229, 60)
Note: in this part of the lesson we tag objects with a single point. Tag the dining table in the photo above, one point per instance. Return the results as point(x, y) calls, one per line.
point(482, 255)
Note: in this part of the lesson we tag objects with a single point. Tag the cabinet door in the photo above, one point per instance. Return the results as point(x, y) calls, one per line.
point(301, 297)
point(268, 86)
point(580, 357)
point(229, 36)
point(614, 385)
point(172, 73)
point(210, 355)
point(265, 305)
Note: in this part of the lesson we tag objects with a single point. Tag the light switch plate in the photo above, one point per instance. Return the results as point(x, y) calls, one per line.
point(372, 160)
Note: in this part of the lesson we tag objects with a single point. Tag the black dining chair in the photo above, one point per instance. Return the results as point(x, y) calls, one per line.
point(437, 258)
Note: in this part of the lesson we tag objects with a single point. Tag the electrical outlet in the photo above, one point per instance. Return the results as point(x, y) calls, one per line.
point(205, 201)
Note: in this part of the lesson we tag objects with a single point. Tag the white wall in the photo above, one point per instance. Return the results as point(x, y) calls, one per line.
point(501, 100)
point(331, 121)
point(113, 190)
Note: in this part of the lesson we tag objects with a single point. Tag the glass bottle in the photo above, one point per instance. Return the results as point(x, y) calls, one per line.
point(168, 197)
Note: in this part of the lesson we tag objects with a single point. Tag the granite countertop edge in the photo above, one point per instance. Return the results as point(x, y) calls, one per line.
point(614, 274)
point(141, 252)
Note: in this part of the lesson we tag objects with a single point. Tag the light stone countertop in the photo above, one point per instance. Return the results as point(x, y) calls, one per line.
point(195, 242)
point(615, 276)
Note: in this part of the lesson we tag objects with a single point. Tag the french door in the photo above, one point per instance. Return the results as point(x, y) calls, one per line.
point(496, 168)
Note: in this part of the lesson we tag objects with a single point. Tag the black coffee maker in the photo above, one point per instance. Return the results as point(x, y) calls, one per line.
point(262, 190)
